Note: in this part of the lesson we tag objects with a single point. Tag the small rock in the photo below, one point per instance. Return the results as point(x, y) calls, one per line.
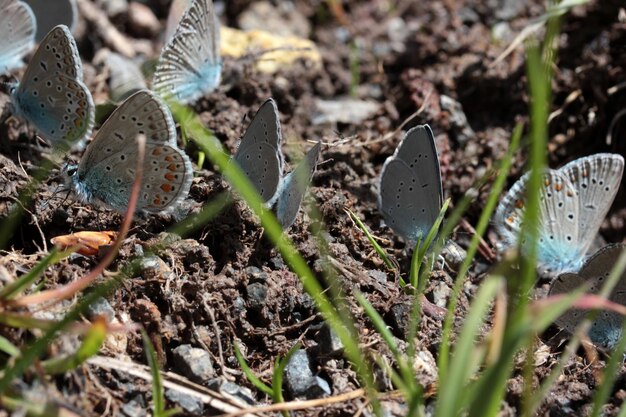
point(378, 275)
point(244, 395)
point(152, 267)
point(468, 15)
point(502, 33)
point(344, 110)
point(277, 263)
point(425, 368)
point(194, 363)
point(300, 380)
point(453, 254)
point(458, 120)
point(256, 274)
point(509, 9)
point(257, 294)
point(441, 292)
point(330, 344)
point(187, 402)
point(284, 19)
point(142, 21)
point(101, 307)
point(398, 319)
point(134, 408)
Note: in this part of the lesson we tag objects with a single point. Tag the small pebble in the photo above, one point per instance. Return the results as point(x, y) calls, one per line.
point(300, 380)
point(187, 402)
point(193, 363)
point(330, 344)
point(244, 395)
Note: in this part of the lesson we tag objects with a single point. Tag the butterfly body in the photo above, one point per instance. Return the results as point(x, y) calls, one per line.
point(190, 65)
point(574, 200)
point(51, 95)
point(411, 196)
point(17, 32)
point(106, 171)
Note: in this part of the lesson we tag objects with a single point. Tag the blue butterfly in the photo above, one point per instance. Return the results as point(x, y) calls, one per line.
point(190, 65)
point(259, 156)
point(17, 32)
point(64, 12)
point(606, 329)
point(51, 95)
point(411, 194)
point(574, 202)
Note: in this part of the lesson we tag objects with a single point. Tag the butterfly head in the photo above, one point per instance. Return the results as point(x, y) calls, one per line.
point(74, 183)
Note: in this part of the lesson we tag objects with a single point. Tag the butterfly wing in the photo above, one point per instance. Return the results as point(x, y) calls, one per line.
point(17, 33)
point(64, 12)
point(294, 186)
point(177, 8)
point(559, 248)
point(52, 95)
point(259, 154)
point(190, 65)
point(125, 77)
point(606, 329)
point(410, 185)
point(510, 213)
point(107, 169)
point(596, 179)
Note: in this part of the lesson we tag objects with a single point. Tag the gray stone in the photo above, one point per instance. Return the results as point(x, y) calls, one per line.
point(330, 344)
point(398, 318)
point(300, 380)
point(101, 307)
point(257, 294)
point(194, 363)
point(244, 395)
point(187, 402)
point(255, 274)
point(458, 119)
point(134, 408)
point(453, 254)
point(379, 276)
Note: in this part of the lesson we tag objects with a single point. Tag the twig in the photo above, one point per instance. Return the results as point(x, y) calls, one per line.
point(300, 405)
point(174, 382)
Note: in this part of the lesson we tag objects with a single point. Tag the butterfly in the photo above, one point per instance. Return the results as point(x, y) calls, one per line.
point(606, 329)
point(261, 159)
point(17, 31)
point(106, 171)
point(63, 12)
point(259, 154)
point(190, 65)
point(51, 95)
point(574, 200)
point(410, 193)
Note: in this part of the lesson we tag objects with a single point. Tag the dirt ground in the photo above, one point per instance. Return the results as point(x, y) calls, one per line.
point(402, 56)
